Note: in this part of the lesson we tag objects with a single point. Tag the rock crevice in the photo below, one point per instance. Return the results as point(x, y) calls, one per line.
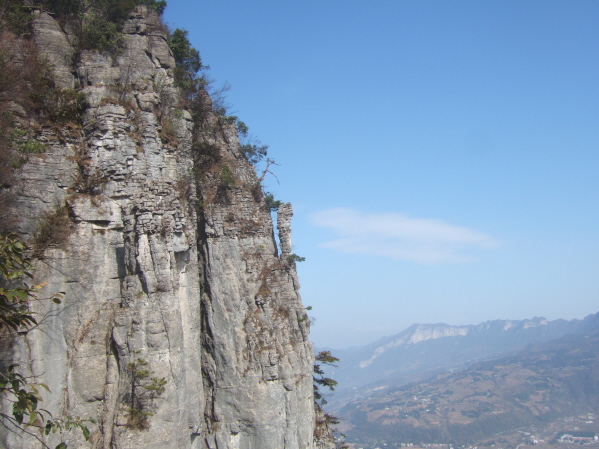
point(161, 264)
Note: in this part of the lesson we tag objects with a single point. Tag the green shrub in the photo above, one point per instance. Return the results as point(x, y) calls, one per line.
point(18, 18)
point(99, 33)
point(205, 155)
point(254, 152)
point(188, 61)
point(295, 258)
point(144, 389)
point(98, 23)
point(186, 57)
point(157, 5)
point(21, 147)
point(30, 146)
point(64, 8)
point(242, 128)
point(227, 179)
point(271, 203)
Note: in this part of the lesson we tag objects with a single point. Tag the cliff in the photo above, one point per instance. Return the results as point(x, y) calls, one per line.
point(154, 225)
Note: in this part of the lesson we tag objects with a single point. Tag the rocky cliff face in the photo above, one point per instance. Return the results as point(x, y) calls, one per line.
point(167, 257)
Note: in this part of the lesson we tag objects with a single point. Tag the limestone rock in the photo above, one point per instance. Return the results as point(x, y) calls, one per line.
point(177, 270)
point(284, 214)
point(54, 46)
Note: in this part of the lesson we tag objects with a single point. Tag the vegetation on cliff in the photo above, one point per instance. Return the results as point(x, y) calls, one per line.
point(62, 133)
point(323, 432)
point(15, 316)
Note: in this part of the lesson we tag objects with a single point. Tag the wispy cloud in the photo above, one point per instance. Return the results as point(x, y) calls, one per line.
point(400, 237)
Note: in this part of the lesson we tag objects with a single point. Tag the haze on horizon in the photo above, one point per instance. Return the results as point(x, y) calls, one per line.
point(442, 158)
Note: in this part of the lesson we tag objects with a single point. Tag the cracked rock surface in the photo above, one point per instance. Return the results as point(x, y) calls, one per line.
point(160, 264)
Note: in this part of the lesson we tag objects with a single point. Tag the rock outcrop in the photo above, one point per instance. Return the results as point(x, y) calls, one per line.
point(167, 260)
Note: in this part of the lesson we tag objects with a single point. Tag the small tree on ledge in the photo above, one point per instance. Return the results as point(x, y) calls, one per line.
point(322, 429)
point(144, 389)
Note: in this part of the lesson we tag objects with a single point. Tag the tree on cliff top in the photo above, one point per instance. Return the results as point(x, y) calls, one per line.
point(188, 61)
point(186, 57)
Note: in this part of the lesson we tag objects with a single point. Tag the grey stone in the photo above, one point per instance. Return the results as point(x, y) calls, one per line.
point(284, 214)
point(54, 47)
point(201, 296)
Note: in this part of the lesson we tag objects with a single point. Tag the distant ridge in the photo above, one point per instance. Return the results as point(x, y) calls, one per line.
point(418, 333)
point(423, 350)
point(536, 386)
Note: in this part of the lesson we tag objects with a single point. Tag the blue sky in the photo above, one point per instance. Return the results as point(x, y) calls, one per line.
point(442, 157)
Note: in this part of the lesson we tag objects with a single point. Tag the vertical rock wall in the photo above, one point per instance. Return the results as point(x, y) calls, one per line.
point(165, 263)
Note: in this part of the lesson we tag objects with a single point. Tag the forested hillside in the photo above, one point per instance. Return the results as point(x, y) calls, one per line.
point(534, 387)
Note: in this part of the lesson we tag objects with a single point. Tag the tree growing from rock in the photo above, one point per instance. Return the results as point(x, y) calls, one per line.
point(323, 434)
point(143, 390)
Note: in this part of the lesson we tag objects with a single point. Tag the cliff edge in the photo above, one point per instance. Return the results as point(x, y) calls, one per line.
point(153, 222)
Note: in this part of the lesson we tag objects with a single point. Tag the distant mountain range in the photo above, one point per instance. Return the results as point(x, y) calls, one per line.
point(424, 350)
point(532, 387)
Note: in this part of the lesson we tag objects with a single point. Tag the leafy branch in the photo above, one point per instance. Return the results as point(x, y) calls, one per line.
point(271, 203)
point(295, 258)
point(16, 316)
point(25, 397)
point(323, 419)
point(14, 301)
point(324, 357)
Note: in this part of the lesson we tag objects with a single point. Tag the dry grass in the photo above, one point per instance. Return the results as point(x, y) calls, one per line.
point(138, 419)
point(168, 133)
point(89, 180)
point(264, 291)
point(28, 99)
point(183, 189)
point(20, 68)
point(53, 231)
point(122, 101)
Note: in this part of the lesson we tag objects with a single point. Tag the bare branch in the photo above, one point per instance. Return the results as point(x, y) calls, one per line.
point(269, 162)
point(14, 423)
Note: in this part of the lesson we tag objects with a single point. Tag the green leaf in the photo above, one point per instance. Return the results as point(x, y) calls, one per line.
point(85, 432)
point(23, 295)
point(62, 446)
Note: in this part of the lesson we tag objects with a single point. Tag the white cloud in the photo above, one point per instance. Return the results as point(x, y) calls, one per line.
point(400, 237)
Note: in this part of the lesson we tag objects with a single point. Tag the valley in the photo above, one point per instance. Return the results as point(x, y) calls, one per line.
point(526, 395)
point(539, 437)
